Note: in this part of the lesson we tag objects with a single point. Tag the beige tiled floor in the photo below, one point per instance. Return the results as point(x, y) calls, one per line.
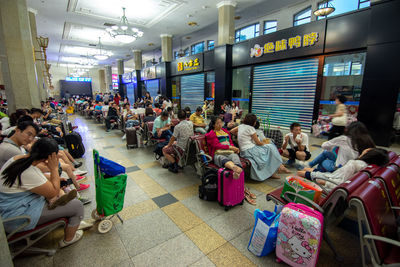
point(186, 232)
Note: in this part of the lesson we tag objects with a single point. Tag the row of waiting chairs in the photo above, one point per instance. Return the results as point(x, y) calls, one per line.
point(373, 192)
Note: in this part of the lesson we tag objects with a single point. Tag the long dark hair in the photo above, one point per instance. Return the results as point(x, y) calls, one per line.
point(40, 150)
point(359, 136)
point(377, 156)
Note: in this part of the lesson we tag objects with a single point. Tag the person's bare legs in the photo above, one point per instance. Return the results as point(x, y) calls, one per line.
point(65, 159)
point(232, 166)
point(301, 155)
point(69, 232)
point(67, 168)
point(169, 157)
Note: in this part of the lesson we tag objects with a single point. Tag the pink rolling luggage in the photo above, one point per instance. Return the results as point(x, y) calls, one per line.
point(299, 235)
point(230, 191)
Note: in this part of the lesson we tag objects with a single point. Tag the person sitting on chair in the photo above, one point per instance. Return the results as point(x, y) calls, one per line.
point(112, 114)
point(162, 126)
point(177, 144)
point(198, 121)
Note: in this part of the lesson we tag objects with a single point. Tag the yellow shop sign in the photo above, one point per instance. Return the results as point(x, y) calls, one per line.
point(284, 44)
point(188, 65)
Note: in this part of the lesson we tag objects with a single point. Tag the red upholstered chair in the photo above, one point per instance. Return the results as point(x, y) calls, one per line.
point(23, 241)
point(377, 224)
point(392, 155)
point(148, 130)
point(390, 177)
point(395, 161)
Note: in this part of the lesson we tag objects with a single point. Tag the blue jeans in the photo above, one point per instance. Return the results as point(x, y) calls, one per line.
point(167, 134)
point(326, 162)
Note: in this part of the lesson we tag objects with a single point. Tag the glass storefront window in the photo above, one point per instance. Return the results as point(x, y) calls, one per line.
point(241, 88)
point(210, 86)
point(176, 93)
point(343, 75)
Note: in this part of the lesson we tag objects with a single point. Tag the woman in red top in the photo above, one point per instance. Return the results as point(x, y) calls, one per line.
point(117, 98)
point(219, 138)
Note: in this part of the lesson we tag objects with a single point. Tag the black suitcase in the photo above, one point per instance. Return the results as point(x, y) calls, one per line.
point(131, 138)
point(75, 145)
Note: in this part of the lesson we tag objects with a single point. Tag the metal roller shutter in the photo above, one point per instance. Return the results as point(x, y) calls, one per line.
point(152, 86)
point(286, 92)
point(192, 91)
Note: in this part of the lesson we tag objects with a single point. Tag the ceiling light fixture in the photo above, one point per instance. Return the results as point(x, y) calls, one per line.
point(100, 55)
point(324, 9)
point(122, 32)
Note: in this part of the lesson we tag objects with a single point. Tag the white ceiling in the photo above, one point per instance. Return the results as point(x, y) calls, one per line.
point(72, 25)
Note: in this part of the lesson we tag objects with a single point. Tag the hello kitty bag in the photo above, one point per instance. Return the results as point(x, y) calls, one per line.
point(299, 235)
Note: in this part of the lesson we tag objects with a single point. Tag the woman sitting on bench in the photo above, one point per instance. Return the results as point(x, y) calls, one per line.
point(377, 156)
point(24, 190)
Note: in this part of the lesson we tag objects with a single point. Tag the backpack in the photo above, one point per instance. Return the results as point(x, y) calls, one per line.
point(158, 149)
point(208, 190)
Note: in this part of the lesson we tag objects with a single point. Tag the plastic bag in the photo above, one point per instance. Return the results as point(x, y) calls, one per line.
point(263, 238)
point(110, 168)
point(302, 187)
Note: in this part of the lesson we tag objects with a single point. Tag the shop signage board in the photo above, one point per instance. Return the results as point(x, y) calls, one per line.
point(149, 73)
point(186, 65)
point(78, 79)
point(304, 40)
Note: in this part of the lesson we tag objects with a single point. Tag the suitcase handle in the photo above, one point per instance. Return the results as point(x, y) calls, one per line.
point(315, 205)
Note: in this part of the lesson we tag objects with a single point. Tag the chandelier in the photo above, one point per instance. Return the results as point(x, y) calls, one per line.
point(324, 9)
point(101, 55)
point(122, 32)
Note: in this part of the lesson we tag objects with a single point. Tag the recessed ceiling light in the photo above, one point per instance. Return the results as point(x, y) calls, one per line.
point(150, 44)
point(192, 23)
point(188, 37)
point(237, 17)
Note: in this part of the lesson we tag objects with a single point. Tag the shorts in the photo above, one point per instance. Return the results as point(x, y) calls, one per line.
point(292, 153)
point(174, 150)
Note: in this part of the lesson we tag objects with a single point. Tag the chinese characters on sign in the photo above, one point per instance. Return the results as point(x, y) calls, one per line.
point(282, 45)
point(78, 79)
point(188, 65)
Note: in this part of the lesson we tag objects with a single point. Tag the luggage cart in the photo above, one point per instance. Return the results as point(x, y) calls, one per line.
point(110, 193)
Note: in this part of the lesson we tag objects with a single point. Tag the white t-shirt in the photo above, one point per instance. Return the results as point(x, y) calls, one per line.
point(302, 136)
point(167, 103)
point(30, 178)
point(244, 137)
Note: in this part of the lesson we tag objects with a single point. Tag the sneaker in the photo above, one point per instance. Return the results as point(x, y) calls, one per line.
point(77, 165)
point(289, 162)
point(80, 178)
point(63, 200)
point(85, 225)
point(77, 237)
point(79, 172)
point(85, 201)
point(83, 187)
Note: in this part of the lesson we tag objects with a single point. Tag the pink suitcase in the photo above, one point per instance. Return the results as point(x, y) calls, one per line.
point(299, 235)
point(230, 191)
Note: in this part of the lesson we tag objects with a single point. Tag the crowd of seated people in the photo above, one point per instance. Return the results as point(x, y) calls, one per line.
point(38, 177)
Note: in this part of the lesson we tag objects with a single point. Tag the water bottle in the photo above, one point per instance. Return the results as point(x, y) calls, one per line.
point(203, 157)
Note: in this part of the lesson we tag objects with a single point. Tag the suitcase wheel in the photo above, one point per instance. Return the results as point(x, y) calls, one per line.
point(127, 147)
point(227, 208)
point(241, 203)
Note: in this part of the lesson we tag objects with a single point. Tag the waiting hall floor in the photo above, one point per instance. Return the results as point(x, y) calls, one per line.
point(165, 222)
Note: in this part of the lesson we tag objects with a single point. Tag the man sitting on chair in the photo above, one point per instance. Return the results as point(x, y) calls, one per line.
point(162, 126)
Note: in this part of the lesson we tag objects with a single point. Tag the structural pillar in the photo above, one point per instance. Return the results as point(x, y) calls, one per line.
point(16, 55)
point(166, 47)
point(223, 54)
point(121, 86)
point(102, 81)
point(108, 78)
point(39, 67)
point(226, 22)
point(137, 61)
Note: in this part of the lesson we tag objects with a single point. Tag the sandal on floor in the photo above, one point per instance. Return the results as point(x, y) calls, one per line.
point(250, 194)
point(63, 200)
point(250, 200)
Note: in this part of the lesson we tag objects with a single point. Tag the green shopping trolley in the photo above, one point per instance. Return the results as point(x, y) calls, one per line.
point(110, 180)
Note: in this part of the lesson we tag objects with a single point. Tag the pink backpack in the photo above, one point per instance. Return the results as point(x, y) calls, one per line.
point(299, 235)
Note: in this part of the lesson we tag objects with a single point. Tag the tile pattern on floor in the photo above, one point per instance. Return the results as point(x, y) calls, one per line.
point(165, 222)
